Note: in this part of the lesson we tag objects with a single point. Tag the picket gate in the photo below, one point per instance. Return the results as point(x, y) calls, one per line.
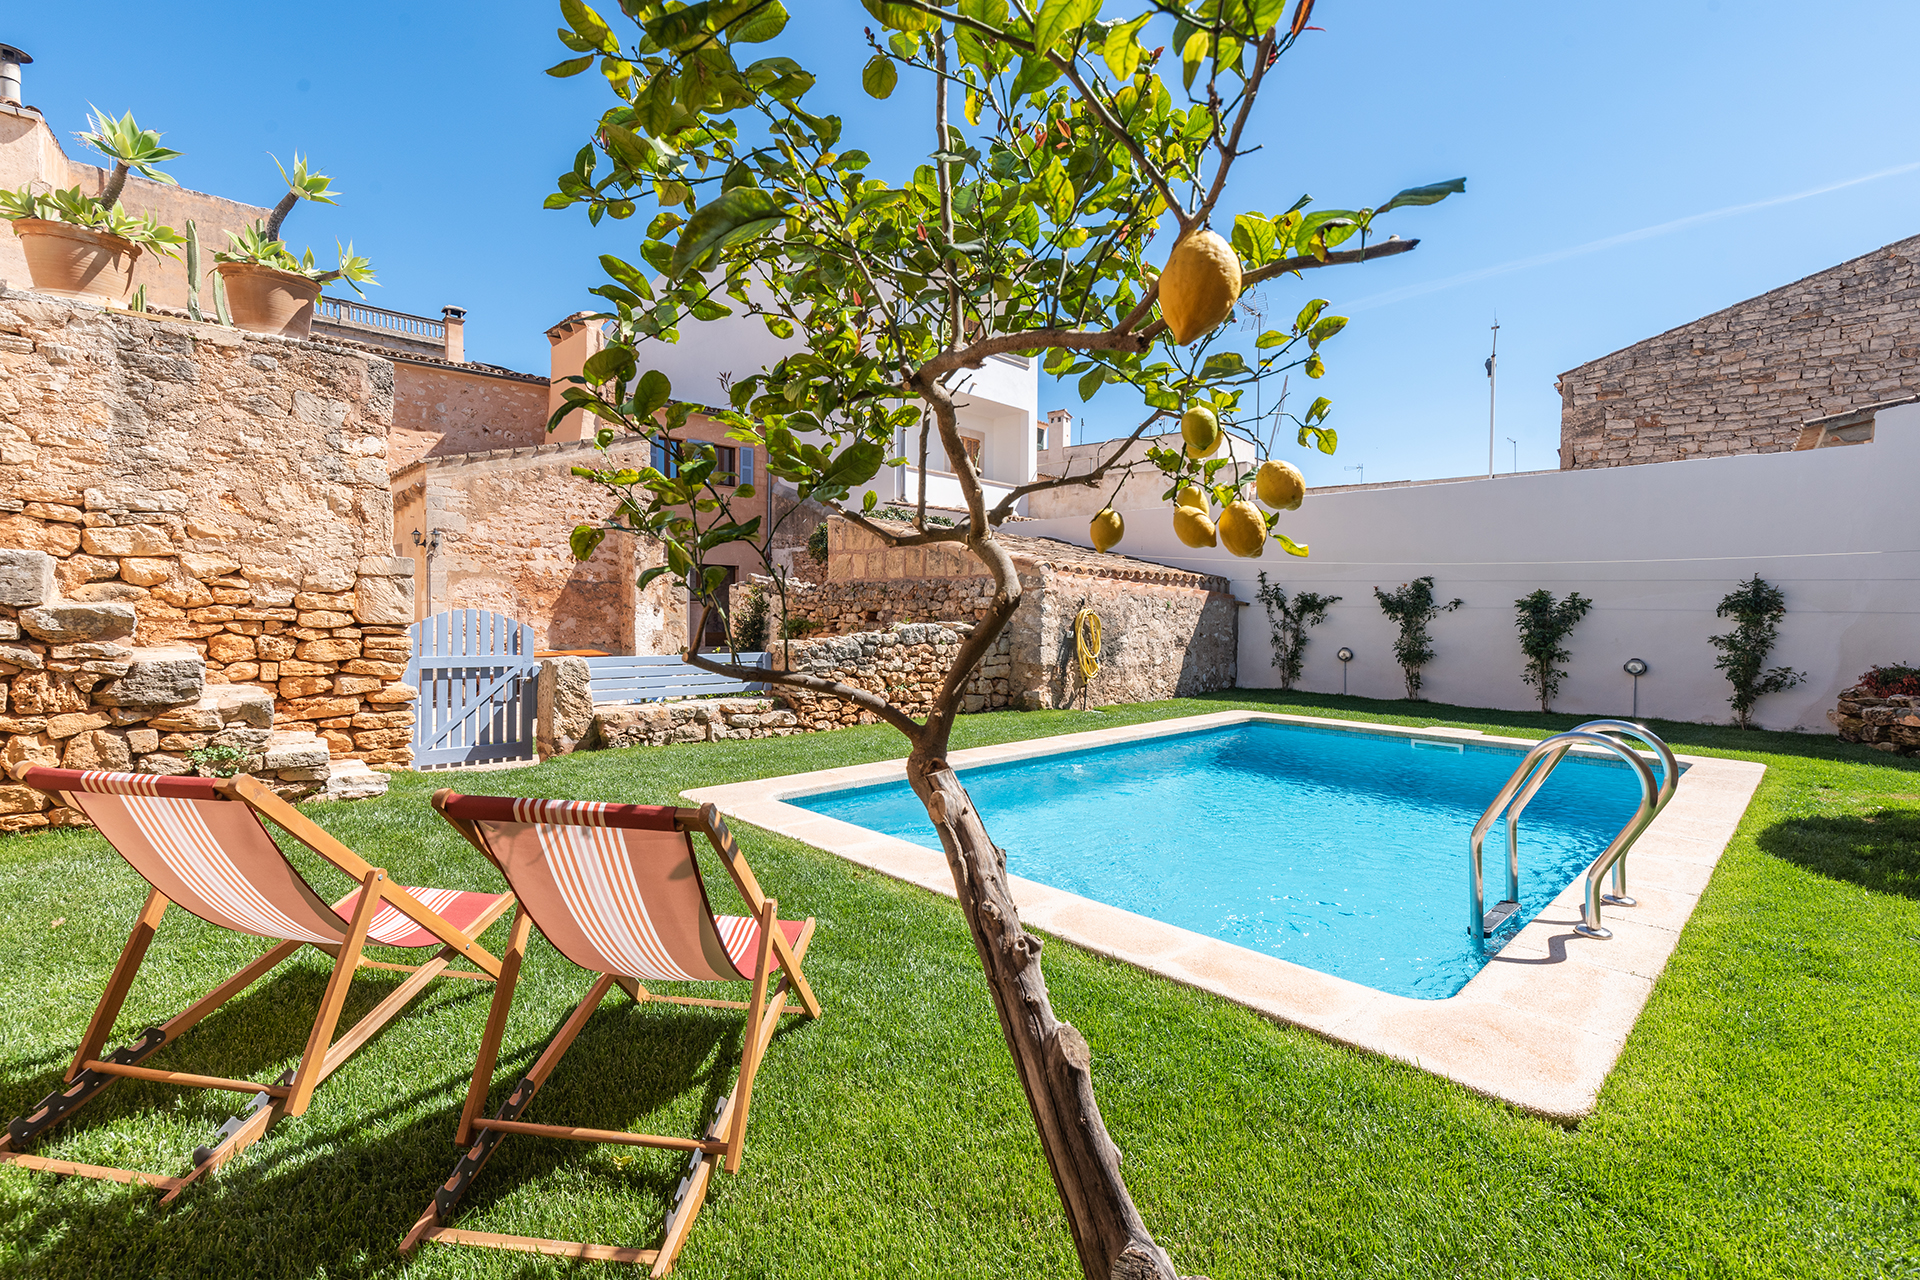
point(478, 680)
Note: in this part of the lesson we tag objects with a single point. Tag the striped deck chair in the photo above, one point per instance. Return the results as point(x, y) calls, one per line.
point(200, 845)
point(617, 890)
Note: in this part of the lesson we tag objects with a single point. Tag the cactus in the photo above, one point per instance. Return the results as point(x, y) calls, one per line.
point(193, 271)
point(220, 300)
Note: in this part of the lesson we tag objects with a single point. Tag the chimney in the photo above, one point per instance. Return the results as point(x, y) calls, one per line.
point(456, 318)
point(1060, 428)
point(11, 60)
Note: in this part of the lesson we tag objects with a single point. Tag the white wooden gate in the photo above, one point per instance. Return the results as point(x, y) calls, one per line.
point(477, 678)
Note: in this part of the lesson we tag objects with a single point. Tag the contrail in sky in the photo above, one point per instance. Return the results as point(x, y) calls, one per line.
point(1625, 237)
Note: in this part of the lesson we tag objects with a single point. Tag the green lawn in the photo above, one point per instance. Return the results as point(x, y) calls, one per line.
point(1764, 1120)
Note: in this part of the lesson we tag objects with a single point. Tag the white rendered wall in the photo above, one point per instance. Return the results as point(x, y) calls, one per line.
point(1655, 547)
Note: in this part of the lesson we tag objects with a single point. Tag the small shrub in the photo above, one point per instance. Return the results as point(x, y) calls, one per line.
point(750, 625)
point(1290, 618)
point(1544, 622)
point(1757, 607)
point(1413, 607)
point(817, 542)
point(217, 762)
point(1894, 679)
point(799, 628)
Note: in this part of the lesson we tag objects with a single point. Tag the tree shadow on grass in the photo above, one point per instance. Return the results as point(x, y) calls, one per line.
point(1878, 851)
point(334, 1191)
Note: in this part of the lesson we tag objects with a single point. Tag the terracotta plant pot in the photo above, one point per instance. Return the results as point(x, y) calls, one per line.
point(263, 300)
point(74, 262)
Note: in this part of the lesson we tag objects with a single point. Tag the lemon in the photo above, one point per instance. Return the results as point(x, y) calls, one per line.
point(1280, 485)
point(1193, 496)
point(1201, 430)
point(1199, 286)
point(1107, 529)
point(1193, 528)
point(1243, 529)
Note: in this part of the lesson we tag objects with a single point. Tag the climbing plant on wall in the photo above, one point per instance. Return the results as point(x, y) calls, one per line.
point(1756, 606)
point(1544, 622)
point(1412, 607)
point(1289, 618)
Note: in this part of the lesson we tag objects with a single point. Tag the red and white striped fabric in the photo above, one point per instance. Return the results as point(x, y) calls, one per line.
point(614, 887)
point(211, 856)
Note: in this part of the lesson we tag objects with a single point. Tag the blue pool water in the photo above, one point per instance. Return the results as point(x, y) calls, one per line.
point(1342, 851)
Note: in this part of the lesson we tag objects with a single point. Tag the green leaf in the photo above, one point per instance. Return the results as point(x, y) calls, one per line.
point(761, 24)
point(879, 76)
point(1253, 238)
point(1308, 314)
point(585, 540)
point(1057, 17)
point(1325, 329)
point(571, 67)
point(605, 365)
point(648, 575)
point(652, 393)
point(1272, 338)
point(1318, 410)
point(1315, 365)
point(1036, 73)
point(779, 326)
point(697, 25)
point(871, 501)
point(1291, 547)
point(900, 17)
point(1122, 49)
point(733, 217)
point(588, 26)
point(1091, 382)
point(1432, 193)
point(781, 78)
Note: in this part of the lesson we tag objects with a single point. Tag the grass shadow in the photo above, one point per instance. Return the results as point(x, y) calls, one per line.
point(1878, 851)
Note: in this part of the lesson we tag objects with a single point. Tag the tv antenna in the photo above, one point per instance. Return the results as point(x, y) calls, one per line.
point(1493, 358)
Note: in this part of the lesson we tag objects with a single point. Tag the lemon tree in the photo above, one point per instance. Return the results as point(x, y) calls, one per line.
point(1073, 204)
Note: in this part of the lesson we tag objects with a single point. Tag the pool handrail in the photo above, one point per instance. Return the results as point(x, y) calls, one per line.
point(1532, 774)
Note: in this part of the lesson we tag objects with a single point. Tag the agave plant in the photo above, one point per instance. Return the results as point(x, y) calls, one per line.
point(261, 245)
point(81, 210)
point(301, 185)
point(254, 245)
point(129, 147)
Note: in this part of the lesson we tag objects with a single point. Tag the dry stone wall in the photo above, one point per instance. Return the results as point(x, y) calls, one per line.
point(1748, 379)
point(906, 664)
point(1887, 724)
point(214, 513)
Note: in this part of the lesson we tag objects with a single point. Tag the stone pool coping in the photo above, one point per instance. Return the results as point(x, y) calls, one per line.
point(1540, 1027)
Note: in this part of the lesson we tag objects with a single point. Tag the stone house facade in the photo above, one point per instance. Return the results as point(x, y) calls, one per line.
point(215, 514)
point(1802, 366)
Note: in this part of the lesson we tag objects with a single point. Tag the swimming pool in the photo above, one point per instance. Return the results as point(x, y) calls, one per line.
point(1339, 850)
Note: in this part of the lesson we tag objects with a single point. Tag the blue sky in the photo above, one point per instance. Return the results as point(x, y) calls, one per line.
point(1575, 125)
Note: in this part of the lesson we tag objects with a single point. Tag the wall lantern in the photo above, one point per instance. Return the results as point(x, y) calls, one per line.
point(1345, 655)
point(1635, 667)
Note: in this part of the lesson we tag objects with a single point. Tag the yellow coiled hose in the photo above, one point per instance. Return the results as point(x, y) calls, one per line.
point(1086, 642)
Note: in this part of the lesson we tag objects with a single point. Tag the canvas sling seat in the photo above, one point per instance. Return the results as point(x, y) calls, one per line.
point(201, 846)
point(616, 889)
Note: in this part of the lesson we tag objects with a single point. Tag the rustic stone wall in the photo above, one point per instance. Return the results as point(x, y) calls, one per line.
point(440, 410)
point(1166, 632)
point(226, 494)
point(906, 664)
point(1887, 724)
point(505, 517)
point(657, 724)
point(1748, 379)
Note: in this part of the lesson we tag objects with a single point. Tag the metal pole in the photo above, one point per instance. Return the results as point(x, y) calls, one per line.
point(1493, 358)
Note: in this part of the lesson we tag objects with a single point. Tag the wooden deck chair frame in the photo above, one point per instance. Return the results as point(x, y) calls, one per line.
point(92, 1071)
point(724, 1140)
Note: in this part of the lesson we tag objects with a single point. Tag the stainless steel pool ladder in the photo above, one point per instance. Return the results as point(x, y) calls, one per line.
point(1526, 783)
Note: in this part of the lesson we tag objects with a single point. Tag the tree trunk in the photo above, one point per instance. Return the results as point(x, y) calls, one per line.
point(279, 214)
point(1052, 1058)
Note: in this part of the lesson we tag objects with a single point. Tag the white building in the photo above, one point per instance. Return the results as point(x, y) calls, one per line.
point(998, 408)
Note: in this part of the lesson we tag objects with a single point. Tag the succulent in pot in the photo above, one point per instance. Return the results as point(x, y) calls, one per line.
point(268, 289)
point(82, 246)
